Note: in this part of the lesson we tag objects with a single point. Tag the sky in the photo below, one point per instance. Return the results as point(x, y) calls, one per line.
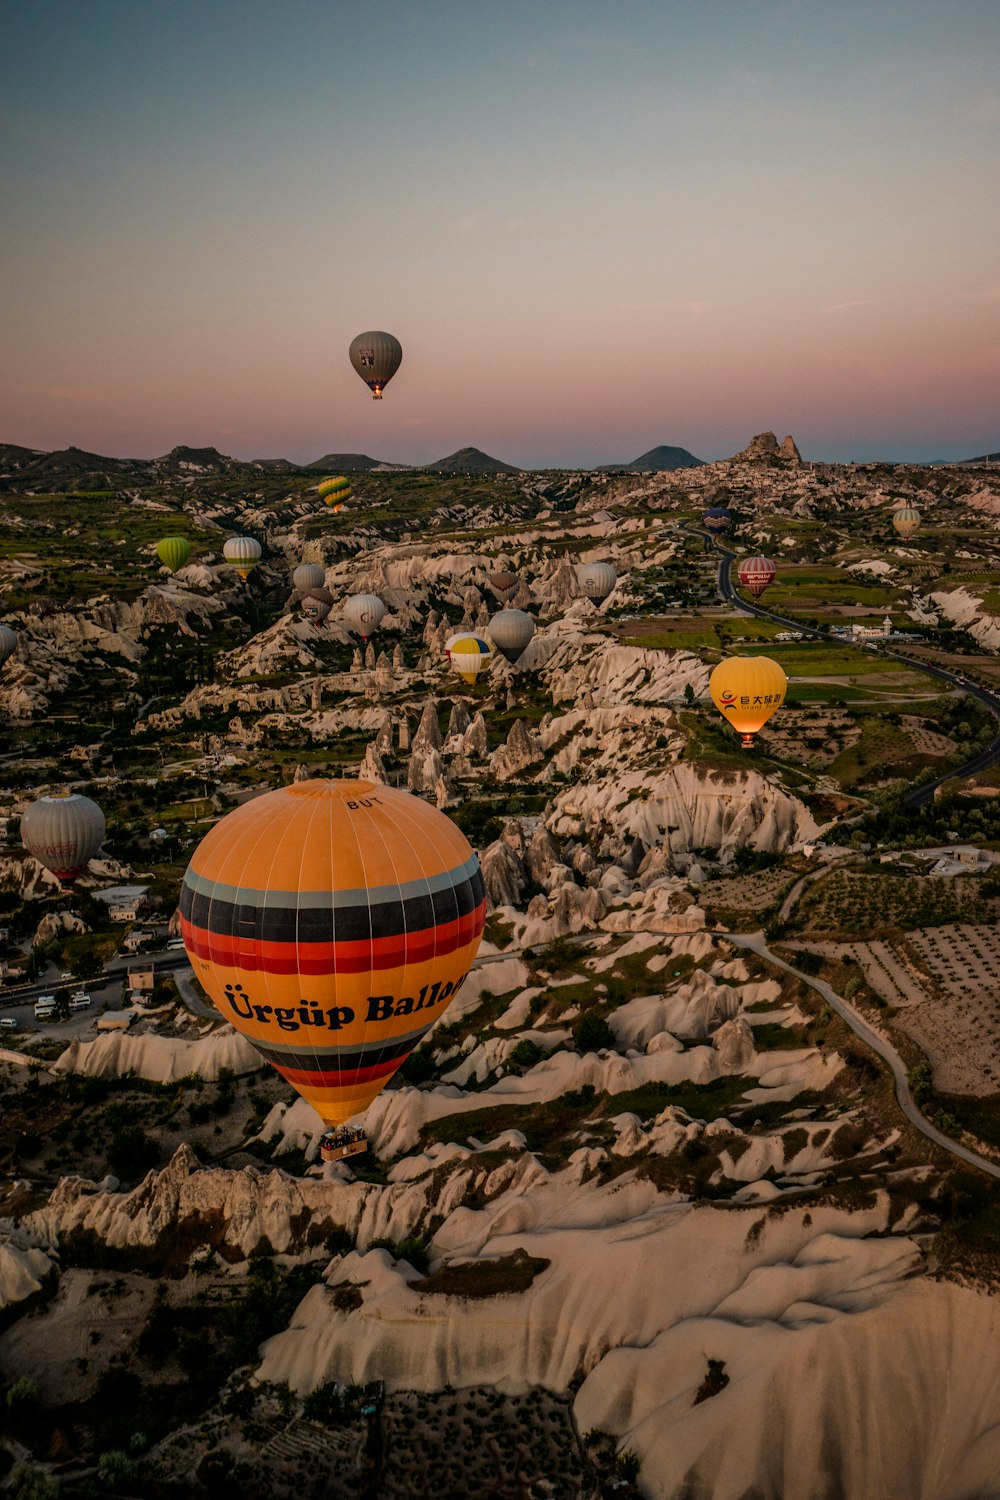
point(594, 226)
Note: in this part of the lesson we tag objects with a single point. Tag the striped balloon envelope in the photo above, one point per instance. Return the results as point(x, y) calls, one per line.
point(332, 922)
point(906, 520)
point(756, 574)
point(334, 490)
point(468, 655)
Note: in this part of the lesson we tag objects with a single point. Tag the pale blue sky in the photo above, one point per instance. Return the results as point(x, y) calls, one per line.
point(594, 227)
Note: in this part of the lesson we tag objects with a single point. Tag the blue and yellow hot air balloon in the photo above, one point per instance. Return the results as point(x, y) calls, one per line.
point(468, 655)
point(332, 922)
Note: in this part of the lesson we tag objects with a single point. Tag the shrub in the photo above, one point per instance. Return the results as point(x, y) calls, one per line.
point(592, 1033)
point(526, 1054)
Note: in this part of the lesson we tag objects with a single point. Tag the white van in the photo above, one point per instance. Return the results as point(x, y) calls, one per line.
point(8, 1023)
point(79, 1002)
point(45, 1007)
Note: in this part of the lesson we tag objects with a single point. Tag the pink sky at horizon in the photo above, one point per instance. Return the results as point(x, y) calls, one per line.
point(614, 236)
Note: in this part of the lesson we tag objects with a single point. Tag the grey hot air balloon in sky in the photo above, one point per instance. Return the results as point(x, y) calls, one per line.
point(376, 357)
point(63, 832)
point(364, 613)
point(8, 643)
point(596, 580)
point(308, 576)
point(512, 630)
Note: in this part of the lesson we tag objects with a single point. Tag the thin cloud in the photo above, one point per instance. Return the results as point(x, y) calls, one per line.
point(839, 307)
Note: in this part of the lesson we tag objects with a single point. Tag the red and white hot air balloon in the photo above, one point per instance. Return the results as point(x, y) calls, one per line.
point(756, 574)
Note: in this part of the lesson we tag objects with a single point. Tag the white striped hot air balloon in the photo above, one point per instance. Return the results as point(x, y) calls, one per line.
point(906, 520)
point(243, 552)
point(596, 580)
point(364, 613)
point(63, 831)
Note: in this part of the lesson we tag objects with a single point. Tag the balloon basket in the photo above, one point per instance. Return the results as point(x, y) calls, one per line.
point(336, 1145)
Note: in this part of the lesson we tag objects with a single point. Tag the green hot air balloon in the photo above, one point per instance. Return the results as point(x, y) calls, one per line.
point(376, 357)
point(334, 490)
point(173, 552)
point(8, 643)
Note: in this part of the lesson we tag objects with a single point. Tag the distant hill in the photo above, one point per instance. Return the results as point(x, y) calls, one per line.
point(984, 458)
point(661, 458)
point(350, 463)
point(198, 458)
point(470, 461)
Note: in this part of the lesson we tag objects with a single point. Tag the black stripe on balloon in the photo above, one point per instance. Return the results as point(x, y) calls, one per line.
point(318, 924)
point(345, 1062)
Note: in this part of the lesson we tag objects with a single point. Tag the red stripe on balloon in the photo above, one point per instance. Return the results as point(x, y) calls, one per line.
point(339, 1077)
point(335, 958)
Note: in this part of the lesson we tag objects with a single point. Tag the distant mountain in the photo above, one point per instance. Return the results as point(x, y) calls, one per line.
point(470, 461)
point(351, 463)
point(661, 458)
point(196, 458)
point(984, 458)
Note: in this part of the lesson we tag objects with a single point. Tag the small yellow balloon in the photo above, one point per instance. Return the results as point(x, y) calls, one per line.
point(746, 690)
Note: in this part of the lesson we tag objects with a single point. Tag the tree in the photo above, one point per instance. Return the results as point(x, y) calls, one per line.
point(592, 1033)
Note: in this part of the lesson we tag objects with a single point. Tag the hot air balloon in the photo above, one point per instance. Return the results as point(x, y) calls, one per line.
point(512, 630)
point(717, 519)
point(746, 690)
point(243, 552)
point(332, 922)
point(756, 574)
point(63, 831)
point(906, 520)
point(364, 613)
point(308, 576)
point(173, 552)
point(334, 491)
point(596, 580)
point(317, 604)
point(8, 643)
point(503, 584)
point(376, 357)
point(468, 655)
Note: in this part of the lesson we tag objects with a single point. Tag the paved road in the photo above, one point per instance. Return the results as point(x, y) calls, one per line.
point(981, 761)
point(878, 1043)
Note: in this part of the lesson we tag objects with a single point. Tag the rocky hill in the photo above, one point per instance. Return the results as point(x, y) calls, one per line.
point(660, 459)
point(350, 463)
point(470, 461)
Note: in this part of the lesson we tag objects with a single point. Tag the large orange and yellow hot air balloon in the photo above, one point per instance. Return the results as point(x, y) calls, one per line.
point(332, 922)
point(746, 690)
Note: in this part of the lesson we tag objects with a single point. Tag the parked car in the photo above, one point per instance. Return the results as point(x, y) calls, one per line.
point(79, 1002)
point(8, 1023)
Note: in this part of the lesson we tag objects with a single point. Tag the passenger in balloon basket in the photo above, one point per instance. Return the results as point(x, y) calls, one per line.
point(344, 1140)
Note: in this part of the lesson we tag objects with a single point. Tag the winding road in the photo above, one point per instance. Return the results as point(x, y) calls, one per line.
point(878, 1043)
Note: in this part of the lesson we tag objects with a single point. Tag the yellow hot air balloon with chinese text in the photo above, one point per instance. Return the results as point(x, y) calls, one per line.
point(746, 690)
